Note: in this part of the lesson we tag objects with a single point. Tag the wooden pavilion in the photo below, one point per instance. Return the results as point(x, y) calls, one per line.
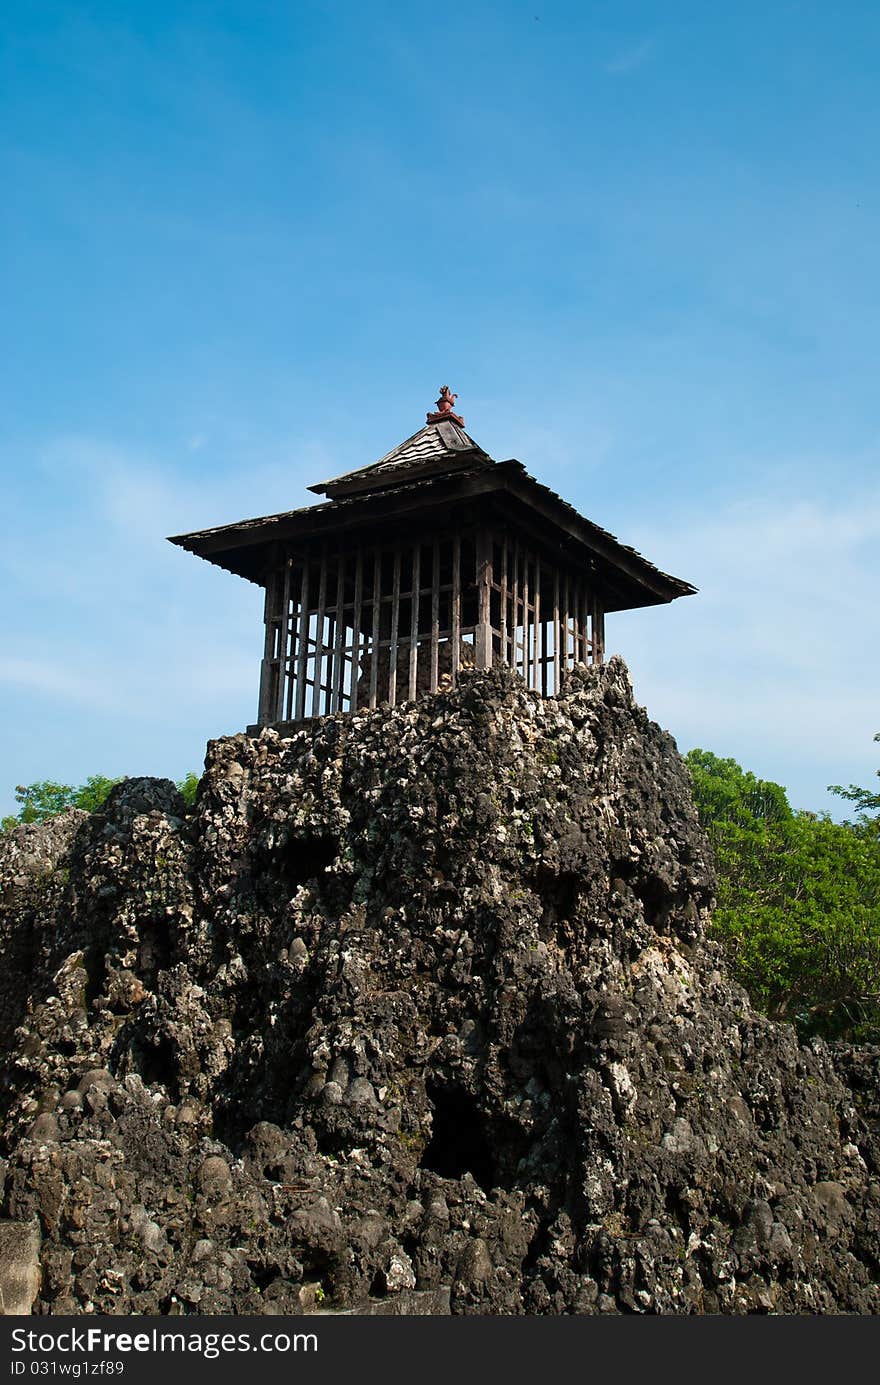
point(434, 558)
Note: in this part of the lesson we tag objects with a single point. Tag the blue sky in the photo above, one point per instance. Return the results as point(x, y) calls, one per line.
point(244, 243)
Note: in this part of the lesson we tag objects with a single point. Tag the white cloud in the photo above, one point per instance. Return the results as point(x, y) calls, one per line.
point(776, 660)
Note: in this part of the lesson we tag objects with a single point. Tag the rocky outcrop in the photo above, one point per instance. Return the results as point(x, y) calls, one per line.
point(415, 1008)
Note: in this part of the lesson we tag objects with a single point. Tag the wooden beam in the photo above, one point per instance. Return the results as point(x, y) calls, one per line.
point(514, 611)
point(303, 647)
point(502, 633)
point(264, 709)
point(395, 620)
point(377, 613)
point(540, 671)
point(557, 665)
point(414, 621)
point(483, 650)
point(527, 653)
point(435, 617)
point(283, 638)
point(339, 641)
point(319, 633)
point(456, 608)
point(356, 629)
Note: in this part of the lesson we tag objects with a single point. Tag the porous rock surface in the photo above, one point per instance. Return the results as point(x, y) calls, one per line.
point(414, 1012)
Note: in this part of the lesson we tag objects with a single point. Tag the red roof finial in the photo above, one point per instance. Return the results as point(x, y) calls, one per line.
point(445, 408)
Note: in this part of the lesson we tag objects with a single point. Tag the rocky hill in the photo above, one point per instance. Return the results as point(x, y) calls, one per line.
point(414, 1013)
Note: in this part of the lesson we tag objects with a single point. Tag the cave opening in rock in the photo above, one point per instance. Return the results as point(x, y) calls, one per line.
point(458, 1143)
point(304, 858)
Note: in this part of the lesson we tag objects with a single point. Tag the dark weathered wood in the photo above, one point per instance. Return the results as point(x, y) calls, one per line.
point(600, 633)
point(319, 635)
point(502, 632)
point(514, 610)
point(483, 651)
point(414, 622)
point(303, 646)
point(339, 640)
point(355, 665)
point(576, 621)
point(241, 547)
point(527, 643)
point(377, 617)
point(540, 679)
point(435, 617)
point(557, 664)
point(266, 703)
point(456, 608)
point(395, 621)
point(283, 638)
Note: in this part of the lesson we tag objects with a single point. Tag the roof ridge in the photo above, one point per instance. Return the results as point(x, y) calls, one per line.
point(432, 443)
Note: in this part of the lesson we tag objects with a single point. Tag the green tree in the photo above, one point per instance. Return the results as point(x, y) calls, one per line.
point(866, 800)
point(46, 798)
point(798, 902)
point(188, 787)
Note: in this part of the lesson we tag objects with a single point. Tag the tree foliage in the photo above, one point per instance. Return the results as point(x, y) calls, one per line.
point(45, 798)
point(866, 800)
point(798, 902)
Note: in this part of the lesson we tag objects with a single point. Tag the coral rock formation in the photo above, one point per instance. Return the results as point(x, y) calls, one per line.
point(414, 1012)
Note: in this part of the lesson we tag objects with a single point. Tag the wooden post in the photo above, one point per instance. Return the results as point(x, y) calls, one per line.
point(377, 616)
point(565, 622)
point(514, 611)
point(283, 637)
point(483, 649)
point(502, 634)
point(435, 617)
point(267, 696)
point(339, 642)
point(576, 622)
point(600, 633)
point(456, 608)
point(540, 670)
point(395, 620)
point(527, 652)
point(414, 621)
point(303, 647)
point(319, 634)
point(356, 629)
point(557, 665)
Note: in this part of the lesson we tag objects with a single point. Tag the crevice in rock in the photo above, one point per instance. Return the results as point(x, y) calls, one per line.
point(459, 1143)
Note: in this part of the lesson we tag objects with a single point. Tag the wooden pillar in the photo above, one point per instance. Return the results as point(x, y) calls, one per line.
point(395, 623)
point(483, 649)
point(539, 674)
point(416, 581)
point(515, 605)
point(558, 665)
point(435, 617)
point(319, 635)
point(527, 662)
point(335, 697)
point(377, 617)
point(502, 634)
point(267, 667)
point(599, 635)
point(456, 608)
point(355, 666)
point(283, 639)
point(302, 654)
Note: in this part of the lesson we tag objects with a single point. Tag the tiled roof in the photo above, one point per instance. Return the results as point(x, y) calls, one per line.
point(430, 446)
